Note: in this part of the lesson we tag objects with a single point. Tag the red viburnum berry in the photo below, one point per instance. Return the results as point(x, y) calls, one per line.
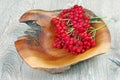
point(71, 28)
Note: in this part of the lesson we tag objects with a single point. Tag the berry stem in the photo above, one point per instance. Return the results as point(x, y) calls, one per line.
point(94, 21)
point(68, 21)
point(98, 17)
point(62, 19)
point(94, 33)
point(99, 28)
point(70, 30)
point(93, 30)
point(70, 24)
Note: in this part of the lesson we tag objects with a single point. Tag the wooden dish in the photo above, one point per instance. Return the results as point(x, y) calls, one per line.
point(43, 56)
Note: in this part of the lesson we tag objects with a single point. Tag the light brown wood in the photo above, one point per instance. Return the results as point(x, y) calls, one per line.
point(44, 56)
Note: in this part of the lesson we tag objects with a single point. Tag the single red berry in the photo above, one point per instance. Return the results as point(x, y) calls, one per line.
point(93, 44)
point(54, 45)
point(74, 53)
point(83, 50)
point(78, 50)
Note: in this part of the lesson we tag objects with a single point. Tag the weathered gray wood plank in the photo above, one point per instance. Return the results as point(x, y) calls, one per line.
point(98, 68)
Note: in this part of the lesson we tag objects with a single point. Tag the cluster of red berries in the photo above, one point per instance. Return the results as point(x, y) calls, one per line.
point(71, 28)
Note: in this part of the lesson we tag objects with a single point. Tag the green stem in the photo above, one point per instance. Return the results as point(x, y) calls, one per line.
point(98, 17)
point(99, 28)
point(70, 30)
point(94, 33)
point(95, 22)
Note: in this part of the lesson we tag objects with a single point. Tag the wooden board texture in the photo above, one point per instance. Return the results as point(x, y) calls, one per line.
point(98, 68)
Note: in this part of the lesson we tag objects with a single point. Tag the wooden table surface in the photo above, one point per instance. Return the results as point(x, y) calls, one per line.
point(98, 68)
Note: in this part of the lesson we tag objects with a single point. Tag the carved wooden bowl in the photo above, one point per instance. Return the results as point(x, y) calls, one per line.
point(38, 52)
